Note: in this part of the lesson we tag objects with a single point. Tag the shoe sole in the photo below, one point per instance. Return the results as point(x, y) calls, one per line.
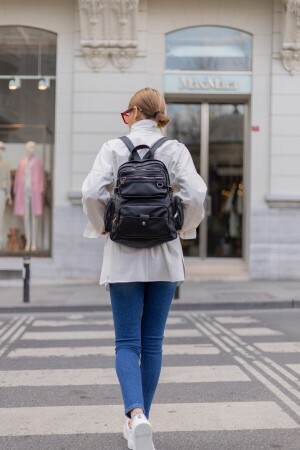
point(142, 437)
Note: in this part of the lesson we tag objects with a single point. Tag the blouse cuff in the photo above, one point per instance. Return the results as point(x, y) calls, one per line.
point(190, 234)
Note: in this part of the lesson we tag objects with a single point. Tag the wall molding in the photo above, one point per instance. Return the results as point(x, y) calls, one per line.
point(290, 53)
point(108, 32)
point(75, 197)
point(282, 201)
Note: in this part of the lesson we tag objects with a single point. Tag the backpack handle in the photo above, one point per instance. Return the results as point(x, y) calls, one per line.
point(134, 156)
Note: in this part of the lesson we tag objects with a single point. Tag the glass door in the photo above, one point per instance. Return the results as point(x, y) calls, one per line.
point(214, 134)
point(185, 126)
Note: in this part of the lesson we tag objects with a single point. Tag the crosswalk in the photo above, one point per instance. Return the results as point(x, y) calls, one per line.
point(221, 373)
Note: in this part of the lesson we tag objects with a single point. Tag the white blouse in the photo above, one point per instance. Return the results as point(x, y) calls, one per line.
point(160, 263)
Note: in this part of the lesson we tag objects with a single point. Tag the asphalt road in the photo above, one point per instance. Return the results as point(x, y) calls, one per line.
point(231, 380)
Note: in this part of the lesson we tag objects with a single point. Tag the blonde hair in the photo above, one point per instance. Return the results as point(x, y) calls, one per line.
point(151, 104)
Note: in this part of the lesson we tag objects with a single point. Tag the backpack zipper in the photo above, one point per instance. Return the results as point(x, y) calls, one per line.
point(124, 179)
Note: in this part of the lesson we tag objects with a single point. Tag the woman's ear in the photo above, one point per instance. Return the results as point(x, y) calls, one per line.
point(135, 113)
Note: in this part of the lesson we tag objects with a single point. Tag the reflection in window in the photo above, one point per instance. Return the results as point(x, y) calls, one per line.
point(27, 51)
point(209, 49)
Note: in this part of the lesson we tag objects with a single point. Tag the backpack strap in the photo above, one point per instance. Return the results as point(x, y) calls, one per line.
point(155, 146)
point(133, 150)
point(127, 142)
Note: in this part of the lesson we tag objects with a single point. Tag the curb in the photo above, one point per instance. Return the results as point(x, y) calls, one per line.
point(290, 304)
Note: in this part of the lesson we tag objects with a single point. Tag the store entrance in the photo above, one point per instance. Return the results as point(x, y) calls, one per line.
point(214, 134)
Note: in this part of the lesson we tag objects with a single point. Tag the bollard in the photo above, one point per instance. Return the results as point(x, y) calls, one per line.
point(26, 278)
point(177, 293)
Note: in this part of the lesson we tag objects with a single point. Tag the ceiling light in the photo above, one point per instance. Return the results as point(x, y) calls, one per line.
point(14, 83)
point(44, 84)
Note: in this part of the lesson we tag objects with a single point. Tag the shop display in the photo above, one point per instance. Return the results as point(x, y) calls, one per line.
point(28, 190)
point(5, 188)
point(25, 191)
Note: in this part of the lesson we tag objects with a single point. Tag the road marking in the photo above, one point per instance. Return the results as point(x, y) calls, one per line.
point(65, 420)
point(278, 347)
point(231, 341)
point(76, 377)
point(256, 331)
point(71, 352)
point(7, 326)
point(284, 398)
point(12, 329)
point(282, 370)
point(294, 367)
point(78, 322)
point(107, 334)
point(69, 323)
point(210, 334)
point(17, 334)
point(278, 378)
point(68, 335)
point(235, 319)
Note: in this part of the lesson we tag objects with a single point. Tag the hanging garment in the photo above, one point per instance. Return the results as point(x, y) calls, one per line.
point(21, 187)
point(5, 177)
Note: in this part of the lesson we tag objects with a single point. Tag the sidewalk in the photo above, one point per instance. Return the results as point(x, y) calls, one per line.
point(193, 295)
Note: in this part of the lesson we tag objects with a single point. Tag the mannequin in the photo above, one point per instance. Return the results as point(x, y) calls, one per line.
point(28, 189)
point(5, 187)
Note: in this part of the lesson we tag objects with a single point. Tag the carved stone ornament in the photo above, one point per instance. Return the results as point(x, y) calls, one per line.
point(108, 32)
point(290, 54)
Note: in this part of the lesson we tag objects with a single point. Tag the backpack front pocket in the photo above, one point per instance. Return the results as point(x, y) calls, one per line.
point(143, 221)
point(148, 187)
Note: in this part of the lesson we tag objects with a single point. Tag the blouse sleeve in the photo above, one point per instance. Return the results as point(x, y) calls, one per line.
point(96, 192)
point(192, 191)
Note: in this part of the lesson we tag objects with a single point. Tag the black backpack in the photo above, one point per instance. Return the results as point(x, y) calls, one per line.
point(143, 211)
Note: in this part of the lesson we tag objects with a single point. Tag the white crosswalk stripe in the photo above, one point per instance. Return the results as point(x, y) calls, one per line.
point(294, 367)
point(71, 352)
point(74, 377)
point(81, 335)
point(236, 319)
point(78, 321)
point(279, 347)
point(256, 331)
point(207, 355)
point(170, 418)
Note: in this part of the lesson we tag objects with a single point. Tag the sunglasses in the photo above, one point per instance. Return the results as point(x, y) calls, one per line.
point(125, 114)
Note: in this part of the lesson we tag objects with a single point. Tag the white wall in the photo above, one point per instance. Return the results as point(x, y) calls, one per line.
point(285, 121)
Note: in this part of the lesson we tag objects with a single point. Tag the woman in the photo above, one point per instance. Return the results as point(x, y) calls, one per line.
point(142, 282)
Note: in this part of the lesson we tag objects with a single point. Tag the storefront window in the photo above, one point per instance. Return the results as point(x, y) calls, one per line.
point(209, 49)
point(27, 118)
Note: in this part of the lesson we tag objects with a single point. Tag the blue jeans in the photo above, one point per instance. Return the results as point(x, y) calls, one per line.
point(140, 312)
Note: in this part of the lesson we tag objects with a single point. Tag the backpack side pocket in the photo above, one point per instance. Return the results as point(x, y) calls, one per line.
point(109, 214)
point(178, 215)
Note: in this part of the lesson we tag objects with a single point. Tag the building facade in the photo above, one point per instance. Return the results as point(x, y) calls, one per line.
point(230, 74)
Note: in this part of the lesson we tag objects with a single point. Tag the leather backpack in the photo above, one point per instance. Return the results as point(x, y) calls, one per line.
point(143, 212)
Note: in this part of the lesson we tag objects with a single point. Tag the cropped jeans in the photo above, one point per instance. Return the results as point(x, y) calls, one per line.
point(140, 311)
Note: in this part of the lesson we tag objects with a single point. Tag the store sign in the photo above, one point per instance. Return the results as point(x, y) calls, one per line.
point(209, 83)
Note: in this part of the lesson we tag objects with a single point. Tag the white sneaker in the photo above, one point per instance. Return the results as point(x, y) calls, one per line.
point(127, 433)
point(141, 433)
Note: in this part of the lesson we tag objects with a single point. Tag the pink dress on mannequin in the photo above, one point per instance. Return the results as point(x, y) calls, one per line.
point(37, 186)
